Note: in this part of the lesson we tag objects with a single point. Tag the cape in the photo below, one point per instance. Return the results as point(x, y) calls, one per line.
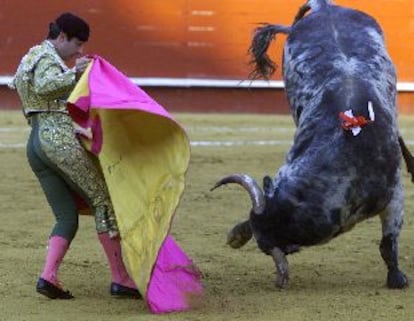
point(144, 155)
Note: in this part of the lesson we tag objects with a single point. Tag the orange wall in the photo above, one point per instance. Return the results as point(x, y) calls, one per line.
point(184, 38)
point(189, 38)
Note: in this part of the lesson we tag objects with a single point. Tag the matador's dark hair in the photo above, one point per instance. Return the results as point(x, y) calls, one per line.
point(71, 25)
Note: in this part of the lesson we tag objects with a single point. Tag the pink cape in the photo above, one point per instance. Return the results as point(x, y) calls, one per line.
point(101, 101)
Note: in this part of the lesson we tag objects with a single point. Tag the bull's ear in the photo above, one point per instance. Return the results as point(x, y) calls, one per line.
point(268, 187)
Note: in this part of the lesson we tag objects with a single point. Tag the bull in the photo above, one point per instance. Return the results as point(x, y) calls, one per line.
point(345, 162)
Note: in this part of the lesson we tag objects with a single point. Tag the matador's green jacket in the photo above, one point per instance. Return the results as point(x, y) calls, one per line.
point(43, 82)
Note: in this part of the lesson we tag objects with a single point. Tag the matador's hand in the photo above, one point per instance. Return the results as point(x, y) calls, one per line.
point(80, 65)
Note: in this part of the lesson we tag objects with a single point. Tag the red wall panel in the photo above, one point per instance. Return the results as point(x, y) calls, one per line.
point(190, 39)
point(184, 38)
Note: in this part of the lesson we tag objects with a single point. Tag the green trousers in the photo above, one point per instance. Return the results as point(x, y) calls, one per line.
point(63, 167)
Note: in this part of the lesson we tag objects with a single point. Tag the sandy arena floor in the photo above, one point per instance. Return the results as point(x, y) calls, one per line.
point(342, 280)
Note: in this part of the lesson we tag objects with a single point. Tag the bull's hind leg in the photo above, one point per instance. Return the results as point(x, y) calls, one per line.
point(408, 157)
point(392, 220)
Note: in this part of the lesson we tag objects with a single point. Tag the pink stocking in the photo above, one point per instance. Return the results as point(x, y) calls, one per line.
point(56, 251)
point(113, 251)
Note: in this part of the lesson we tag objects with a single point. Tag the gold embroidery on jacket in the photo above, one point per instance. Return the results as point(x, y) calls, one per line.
point(43, 82)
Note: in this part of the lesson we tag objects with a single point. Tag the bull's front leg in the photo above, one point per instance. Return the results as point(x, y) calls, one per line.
point(282, 267)
point(392, 220)
point(239, 235)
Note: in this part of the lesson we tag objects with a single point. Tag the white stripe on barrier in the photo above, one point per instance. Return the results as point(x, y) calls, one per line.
point(190, 82)
point(213, 83)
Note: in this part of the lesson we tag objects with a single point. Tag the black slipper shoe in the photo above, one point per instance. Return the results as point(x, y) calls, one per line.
point(52, 291)
point(119, 290)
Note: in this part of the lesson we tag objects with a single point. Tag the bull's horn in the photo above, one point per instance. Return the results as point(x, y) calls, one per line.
point(250, 185)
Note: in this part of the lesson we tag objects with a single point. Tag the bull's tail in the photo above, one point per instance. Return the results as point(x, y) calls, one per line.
point(263, 36)
point(264, 67)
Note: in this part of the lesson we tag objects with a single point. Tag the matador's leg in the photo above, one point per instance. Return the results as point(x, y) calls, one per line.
point(78, 167)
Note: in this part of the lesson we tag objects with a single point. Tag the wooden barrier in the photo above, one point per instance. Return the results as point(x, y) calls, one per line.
point(189, 39)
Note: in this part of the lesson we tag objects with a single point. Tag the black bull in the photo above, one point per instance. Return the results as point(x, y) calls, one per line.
point(344, 165)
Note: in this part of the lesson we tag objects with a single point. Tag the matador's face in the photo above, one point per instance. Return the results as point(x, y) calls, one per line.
point(69, 49)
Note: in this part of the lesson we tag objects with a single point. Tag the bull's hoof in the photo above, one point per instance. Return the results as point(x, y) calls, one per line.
point(282, 281)
point(239, 235)
point(396, 280)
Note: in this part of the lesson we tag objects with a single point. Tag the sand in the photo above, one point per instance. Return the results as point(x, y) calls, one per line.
point(341, 280)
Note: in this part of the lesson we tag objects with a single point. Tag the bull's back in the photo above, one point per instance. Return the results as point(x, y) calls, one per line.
point(332, 43)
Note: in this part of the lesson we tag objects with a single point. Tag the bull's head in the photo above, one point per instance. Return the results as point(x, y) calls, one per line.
point(242, 232)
